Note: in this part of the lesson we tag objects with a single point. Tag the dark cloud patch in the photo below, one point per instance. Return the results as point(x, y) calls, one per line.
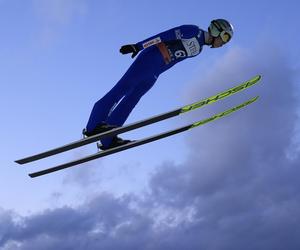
point(238, 177)
point(238, 189)
point(103, 223)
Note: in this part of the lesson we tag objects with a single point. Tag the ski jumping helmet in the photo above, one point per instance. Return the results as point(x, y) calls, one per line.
point(222, 28)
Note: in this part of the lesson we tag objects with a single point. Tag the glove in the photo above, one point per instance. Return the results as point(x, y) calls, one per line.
point(130, 48)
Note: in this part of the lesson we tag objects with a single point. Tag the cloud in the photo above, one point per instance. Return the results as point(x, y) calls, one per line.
point(54, 16)
point(238, 176)
point(238, 189)
point(59, 12)
point(103, 223)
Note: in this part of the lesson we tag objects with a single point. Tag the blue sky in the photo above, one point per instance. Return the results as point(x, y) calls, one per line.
point(58, 57)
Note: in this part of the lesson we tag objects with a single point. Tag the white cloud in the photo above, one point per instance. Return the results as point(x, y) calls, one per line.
point(54, 16)
point(59, 12)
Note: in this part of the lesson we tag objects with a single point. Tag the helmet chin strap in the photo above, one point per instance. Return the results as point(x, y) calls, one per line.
point(208, 36)
point(212, 42)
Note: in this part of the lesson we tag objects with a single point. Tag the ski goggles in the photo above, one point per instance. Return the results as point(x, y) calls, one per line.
point(225, 36)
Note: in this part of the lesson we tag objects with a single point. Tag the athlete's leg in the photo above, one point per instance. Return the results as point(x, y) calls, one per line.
point(148, 63)
point(103, 107)
point(127, 104)
point(139, 78)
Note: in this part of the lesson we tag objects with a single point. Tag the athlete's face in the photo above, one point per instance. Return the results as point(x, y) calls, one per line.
point(217, 42)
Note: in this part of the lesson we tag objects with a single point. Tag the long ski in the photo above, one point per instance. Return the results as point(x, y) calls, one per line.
point(142, 141)
point(142, 123)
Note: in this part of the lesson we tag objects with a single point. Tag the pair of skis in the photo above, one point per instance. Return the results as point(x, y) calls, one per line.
point(139, 124)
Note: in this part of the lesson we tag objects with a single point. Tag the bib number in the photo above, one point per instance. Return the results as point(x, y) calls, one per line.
point(180, 54)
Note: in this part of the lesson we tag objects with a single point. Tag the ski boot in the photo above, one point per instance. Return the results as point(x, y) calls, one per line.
point(116, 142)
point(100, 128)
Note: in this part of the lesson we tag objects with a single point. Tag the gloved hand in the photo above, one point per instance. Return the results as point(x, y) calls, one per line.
point(130, 48)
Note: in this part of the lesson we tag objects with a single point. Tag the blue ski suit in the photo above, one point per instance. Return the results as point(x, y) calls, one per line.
point(158, 54)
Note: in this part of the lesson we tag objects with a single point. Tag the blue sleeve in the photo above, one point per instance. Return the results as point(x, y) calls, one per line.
point(180, 32)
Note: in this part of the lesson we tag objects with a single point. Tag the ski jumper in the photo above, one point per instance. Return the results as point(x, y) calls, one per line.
point(158, 54)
